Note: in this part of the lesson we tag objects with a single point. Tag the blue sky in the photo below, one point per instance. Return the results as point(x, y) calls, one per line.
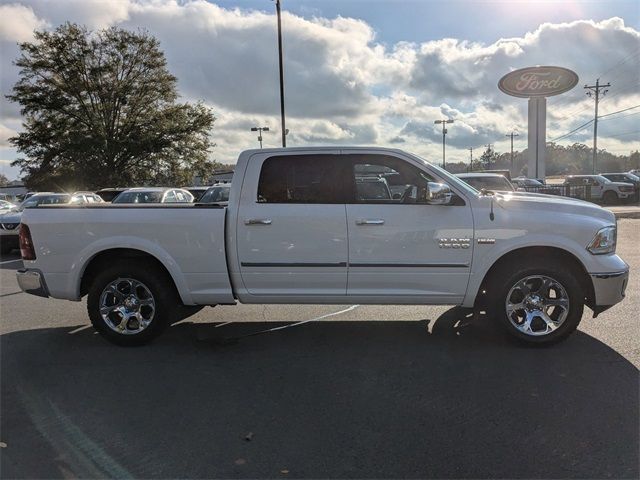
point(366, 72)
point(474, 20)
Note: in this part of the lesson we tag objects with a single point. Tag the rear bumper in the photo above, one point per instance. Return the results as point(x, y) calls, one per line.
point(609, 289)
point(32, 281)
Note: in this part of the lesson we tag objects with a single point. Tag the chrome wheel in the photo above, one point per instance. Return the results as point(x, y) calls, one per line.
point(127, 306)
point(537, 305)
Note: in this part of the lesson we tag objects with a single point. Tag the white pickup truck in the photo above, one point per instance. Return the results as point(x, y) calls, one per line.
point(330, 226)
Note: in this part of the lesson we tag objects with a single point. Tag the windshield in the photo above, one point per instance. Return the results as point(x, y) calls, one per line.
point(216, 194)
point(44, 200)
point(139, 197)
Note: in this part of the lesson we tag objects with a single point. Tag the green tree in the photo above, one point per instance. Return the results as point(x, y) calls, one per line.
point(488, 159)
point(101, 109)
point(3, 180)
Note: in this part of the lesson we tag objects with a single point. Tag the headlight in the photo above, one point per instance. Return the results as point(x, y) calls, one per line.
point(604, 241)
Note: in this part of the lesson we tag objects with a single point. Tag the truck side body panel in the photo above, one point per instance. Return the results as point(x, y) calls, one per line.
point(187, 240)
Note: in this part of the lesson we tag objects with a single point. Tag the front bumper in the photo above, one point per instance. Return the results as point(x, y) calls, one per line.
point(609, 289)
point(32, 281)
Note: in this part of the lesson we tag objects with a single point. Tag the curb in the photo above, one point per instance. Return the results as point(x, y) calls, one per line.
point(627, 214)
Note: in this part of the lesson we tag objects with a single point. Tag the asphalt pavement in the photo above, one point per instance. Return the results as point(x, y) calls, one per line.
point(365, 391)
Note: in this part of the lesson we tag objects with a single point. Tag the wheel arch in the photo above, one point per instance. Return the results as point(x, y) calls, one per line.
point(108, 256)
point(559, 254)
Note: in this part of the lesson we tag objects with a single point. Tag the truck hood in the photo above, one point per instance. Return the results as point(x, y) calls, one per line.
point(552, 204)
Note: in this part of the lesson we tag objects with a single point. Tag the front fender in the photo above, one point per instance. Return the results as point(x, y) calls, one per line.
point(486, 255)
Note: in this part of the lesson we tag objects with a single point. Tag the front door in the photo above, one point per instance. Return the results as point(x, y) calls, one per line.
point(292, 232)
point(400, 247)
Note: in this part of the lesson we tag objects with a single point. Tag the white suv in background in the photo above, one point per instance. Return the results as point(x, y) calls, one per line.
point(602, 188)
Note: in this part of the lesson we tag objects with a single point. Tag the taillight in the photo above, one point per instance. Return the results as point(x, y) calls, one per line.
point(26, 244)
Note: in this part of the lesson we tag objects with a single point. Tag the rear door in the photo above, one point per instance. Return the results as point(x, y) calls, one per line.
point(597, 187)
point(401, 248)
point(291, 228)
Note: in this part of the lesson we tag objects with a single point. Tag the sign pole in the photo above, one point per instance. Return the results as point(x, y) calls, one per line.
point(537, 141)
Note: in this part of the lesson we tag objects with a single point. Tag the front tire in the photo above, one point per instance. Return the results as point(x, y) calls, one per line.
point(538, 304)
point(130, 303)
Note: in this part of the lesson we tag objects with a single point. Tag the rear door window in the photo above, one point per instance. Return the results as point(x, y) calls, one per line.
point(303, 179)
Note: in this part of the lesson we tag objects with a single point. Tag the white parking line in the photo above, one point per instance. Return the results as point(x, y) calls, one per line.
point(79, 329)
point(302, 322)
point(11, 261)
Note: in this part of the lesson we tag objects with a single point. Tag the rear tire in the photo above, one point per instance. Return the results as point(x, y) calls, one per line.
point(130, 302)
point(610, 198)
point(520, 298)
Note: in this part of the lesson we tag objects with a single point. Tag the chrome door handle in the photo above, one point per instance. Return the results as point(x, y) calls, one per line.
point(370, 221)
point(257, 221)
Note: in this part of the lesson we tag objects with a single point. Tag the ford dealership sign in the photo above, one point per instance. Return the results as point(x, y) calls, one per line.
point(538, 82)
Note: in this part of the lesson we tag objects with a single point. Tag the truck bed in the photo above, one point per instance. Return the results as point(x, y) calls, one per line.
point(188, 239)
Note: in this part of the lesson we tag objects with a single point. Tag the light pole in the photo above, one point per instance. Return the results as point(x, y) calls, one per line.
point(444, 134)
point(282, 121)
point(512, 134)
point(260, 130)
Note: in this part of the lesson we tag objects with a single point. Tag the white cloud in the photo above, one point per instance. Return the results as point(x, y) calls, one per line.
point(343, 86)
point(17, 23)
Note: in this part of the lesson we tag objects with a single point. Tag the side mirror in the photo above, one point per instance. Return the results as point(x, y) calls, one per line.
point(438, 194)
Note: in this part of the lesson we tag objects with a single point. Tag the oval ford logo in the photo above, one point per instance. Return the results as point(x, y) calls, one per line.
point(538, 81)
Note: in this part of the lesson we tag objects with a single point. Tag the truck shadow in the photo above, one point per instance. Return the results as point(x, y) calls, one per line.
point(11, 261)
point(335, 399)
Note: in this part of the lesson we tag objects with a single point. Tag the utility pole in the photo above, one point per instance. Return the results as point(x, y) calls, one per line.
point(594, 91)
point(283, 127)
point(444, 134)
point(512, 134)
point(260, 130)
point(471, 159)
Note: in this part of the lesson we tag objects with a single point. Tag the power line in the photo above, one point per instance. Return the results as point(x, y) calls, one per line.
point(623, 134)
point(572, 131)
point(569, 98)
point(621, 62)
point(619, 111)
point(591, 121)
point(621, 116)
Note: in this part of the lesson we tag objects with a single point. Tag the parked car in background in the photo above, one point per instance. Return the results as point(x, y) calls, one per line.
point(5, 206)
point(487, 181)
point(85, 197)
point(5, 197)
point(10, 221)
point(216, 194)
point(108, 194)
point(374, 188)
point(597, 187)
point(534, 185)
point(154, 195)
point(197, 191)
point(625, 178)
point(525, 182)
